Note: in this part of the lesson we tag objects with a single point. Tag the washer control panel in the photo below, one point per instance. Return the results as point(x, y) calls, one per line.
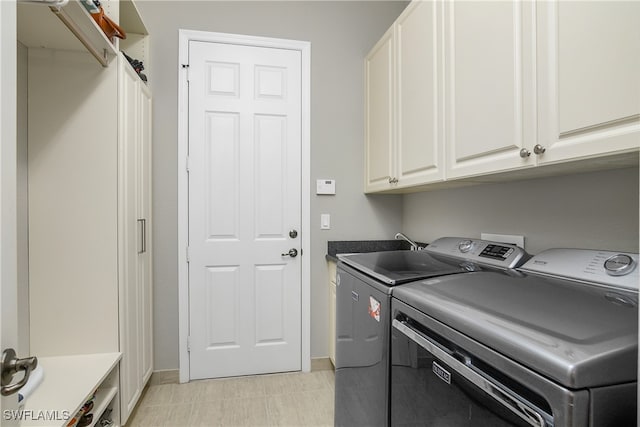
point(480, 251)
point(618, 269)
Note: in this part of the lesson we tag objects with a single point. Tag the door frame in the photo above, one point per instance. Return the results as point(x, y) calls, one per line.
point(9, 333)
point(186, 36)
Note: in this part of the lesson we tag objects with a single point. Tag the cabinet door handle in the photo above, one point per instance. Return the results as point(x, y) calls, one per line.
point(393, 180)
point(143, 235)
point(539, 149)
point(524, 153)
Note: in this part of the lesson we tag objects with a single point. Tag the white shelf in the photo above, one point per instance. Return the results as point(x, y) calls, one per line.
point(40, 27)
point(69, 381)
point(103, 399)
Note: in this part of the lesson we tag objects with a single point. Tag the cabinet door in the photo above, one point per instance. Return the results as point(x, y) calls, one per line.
point(130, 365)
point(331, 267)
point(418, 112)
point(379, 115)
point(589, 67)
point(145, 267)
point(490, 86)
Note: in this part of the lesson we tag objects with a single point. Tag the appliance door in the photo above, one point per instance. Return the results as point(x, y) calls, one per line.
point(362, 348)
point(434, 385)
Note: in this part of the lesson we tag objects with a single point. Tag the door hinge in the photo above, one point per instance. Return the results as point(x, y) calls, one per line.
point(189, 344)
point(186, 67)
point(188, 254)
point(188, 164)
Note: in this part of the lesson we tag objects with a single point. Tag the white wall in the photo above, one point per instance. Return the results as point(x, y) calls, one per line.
point(597, 210)
point(341, 33)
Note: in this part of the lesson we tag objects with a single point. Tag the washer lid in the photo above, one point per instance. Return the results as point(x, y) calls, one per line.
point(396, 267)
point(575, 334)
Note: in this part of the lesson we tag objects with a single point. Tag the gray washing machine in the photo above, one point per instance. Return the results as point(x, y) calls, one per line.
point(553, 343)
point(363, 315)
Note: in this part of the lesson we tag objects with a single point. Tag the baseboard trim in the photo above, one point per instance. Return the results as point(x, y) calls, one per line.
point(170, 376)
point(321, 364)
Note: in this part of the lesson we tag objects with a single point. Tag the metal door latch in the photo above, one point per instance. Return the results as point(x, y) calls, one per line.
point(11, 365)
point(292, 253)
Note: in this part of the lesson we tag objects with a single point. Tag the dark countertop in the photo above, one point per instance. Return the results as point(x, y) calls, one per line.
point(355, 246)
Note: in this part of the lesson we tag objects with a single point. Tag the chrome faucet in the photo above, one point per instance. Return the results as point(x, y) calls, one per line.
point(414, 245)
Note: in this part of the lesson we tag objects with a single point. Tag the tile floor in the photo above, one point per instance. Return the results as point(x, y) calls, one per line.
point(293, 399)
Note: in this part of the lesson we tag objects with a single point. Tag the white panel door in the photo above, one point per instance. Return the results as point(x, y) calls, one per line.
point(244, 198)
point(589, 85)
point(490, 90)
point(145, 266)
point(130, 365)
point(379, 146)
point(419, 104)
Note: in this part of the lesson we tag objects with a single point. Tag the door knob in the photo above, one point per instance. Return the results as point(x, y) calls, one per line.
point(524, 153)
point(293, 252)
point(11, 365)
point(539, 149)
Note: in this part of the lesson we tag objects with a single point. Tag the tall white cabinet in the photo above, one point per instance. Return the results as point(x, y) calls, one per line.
point(89, 181)
point(135, 284)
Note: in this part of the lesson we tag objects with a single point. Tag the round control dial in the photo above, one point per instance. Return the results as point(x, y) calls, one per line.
point(619, 265)
point(465, 246)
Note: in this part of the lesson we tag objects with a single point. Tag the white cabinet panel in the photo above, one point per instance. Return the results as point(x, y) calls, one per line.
point(403, 102)
point(589, 92)
point(490, 101)
point(419, 102)
point(145, 221)
point(134, 246)
point(379, 114)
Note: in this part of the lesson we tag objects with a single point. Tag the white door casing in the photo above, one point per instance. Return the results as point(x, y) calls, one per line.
point(246, 304)
point(8, 186)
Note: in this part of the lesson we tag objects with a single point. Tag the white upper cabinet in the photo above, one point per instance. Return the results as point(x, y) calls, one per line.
point(379, 115)
point(481, 88)
point(589, 78)
point(403, 103)
point(490, 84)
point(419, 155)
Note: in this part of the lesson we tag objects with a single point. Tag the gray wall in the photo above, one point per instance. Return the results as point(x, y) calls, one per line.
point(341, 33)
point(597, 210)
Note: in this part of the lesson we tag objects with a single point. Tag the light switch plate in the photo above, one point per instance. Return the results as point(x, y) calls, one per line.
point(325, 186)
point(504, 238)
point(325, 221)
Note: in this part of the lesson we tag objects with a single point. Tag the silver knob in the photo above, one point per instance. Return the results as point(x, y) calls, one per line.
point(619, 265)
point(539, 149)
point(293, 252)
point(524, 153)
point(465, 246)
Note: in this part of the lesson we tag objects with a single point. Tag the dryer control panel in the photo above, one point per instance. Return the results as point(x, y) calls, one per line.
point(496, 254)
point(618, 269)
